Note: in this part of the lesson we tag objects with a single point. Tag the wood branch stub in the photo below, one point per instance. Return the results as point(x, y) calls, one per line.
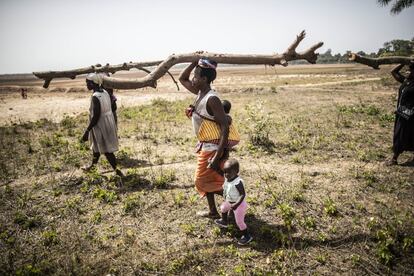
point(48, 76)
point(376, 62)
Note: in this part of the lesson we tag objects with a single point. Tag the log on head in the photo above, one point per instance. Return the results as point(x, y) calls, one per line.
point(376, 62)
point(282, 59)
point(163, 66)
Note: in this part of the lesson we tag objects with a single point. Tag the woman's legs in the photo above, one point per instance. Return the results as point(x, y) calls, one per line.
point(95, 159)
point(393, 160)
point(112, 160)
point(211, 204)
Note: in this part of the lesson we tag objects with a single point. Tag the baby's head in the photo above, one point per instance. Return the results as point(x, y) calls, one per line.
point(226, 106)
point(231, 169)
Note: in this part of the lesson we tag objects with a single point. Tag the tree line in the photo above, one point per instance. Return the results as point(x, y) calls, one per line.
point(396, 47)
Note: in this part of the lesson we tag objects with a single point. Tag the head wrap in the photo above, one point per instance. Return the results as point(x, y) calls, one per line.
point(96, 78)
point(206, 63)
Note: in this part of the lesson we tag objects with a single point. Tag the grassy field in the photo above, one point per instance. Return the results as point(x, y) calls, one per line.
point(314, 140)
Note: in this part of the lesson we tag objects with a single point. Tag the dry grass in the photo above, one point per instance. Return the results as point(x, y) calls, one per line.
point(320, 199)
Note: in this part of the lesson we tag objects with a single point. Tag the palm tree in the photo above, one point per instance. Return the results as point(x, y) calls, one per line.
point(398, 5)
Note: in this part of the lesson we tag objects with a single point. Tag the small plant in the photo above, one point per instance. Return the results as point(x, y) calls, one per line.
point(386, 243)
point(355, 259)
point(270, 202)
point(309, 223)
point(178, 199)
point(408, 243)
point(369, 177)
point(216, 231)
point(68, 122)
point(330, 207)
point(104, 195)
point(239, 269)
point(288, 214)
point(50, 238)
point(29, 270)
point(321, 258)
point(298, 196)
point(7, 237)
point(259, 127)
point(192, 199)
point(164, 178)
point(97, 217)
point(188, 228)
point(74, 204)
point(132, 202)
point(25, 221)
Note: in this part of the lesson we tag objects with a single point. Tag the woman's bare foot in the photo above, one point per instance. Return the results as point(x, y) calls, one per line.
point(391, 162)
point(88, 168)
point(207, 214)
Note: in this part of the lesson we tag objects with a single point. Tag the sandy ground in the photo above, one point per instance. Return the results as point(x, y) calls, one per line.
point(56, 106)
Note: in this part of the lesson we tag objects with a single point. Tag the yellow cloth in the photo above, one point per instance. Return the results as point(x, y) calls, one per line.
point(207, 180)
point(209, 131)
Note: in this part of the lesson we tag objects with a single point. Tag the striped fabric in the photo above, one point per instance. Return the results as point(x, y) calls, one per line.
point(210, 132)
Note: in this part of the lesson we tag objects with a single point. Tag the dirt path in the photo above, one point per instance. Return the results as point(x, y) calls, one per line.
point(331, 82)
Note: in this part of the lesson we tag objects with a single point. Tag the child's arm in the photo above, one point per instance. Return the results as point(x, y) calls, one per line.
point(185, 78)
point(240, 188)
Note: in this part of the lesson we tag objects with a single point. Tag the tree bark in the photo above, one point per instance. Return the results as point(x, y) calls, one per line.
point(376, 62)
point(163, 67)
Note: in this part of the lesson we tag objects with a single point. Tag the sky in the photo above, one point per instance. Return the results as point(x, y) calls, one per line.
point(42, 35)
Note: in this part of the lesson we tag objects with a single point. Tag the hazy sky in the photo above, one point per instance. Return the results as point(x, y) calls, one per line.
point(37, 35)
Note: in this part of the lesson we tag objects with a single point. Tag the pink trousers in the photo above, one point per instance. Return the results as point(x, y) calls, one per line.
point(239, 213)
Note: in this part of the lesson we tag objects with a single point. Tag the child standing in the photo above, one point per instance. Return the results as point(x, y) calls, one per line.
point(234, 199)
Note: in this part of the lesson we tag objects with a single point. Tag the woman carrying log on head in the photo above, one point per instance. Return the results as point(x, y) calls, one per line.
point(404, 116)
point(212, 129)
point(102, 130)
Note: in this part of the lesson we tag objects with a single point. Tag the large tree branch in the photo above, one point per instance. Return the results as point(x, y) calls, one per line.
point(163, 67)
point(282, 59)
point(376, 62)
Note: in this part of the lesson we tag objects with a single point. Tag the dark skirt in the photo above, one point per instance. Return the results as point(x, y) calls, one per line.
point(403, 135)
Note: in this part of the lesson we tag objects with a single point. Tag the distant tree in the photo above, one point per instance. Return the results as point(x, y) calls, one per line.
point(345, 57)
point(326, 57)
point(397, 47)
point(398, 5)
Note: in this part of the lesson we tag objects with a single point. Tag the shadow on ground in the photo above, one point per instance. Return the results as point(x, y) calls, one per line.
point(269, 237)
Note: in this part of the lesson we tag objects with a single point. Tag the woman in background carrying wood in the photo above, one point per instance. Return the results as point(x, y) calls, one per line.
point(404, 116)
point(102, 129)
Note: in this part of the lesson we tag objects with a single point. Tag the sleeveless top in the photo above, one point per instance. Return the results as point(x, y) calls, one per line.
point(230, 191)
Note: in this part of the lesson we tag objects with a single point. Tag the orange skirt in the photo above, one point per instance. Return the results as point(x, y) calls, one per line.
point(207, 180)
